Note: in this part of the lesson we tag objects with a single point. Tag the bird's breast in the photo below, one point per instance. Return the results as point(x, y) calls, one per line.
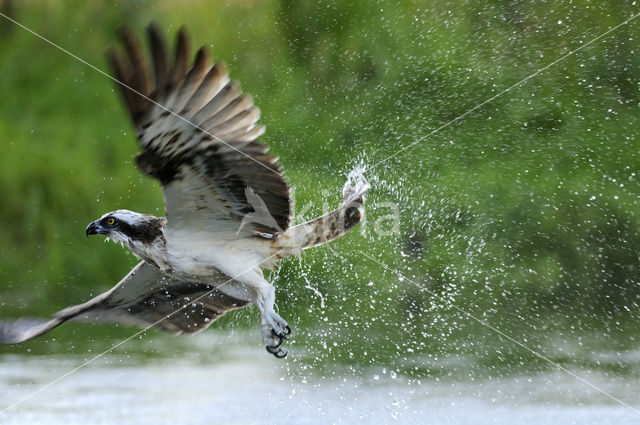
point(201, 259)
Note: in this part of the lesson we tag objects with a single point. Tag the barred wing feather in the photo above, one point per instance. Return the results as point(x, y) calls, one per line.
point(198, 132)
point(145, 297)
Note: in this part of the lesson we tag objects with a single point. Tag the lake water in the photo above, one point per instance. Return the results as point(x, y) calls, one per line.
point(244, 385)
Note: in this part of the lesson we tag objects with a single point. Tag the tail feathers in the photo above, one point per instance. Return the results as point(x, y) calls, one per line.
point(330, 226)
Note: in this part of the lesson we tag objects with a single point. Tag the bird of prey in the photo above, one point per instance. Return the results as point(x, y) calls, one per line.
point(227, 205)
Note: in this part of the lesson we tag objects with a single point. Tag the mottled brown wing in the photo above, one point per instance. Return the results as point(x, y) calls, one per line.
point(145, 297)
point(198, 133)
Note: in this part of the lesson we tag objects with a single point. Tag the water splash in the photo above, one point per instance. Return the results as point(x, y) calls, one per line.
point(308, 284)
point(356, 183)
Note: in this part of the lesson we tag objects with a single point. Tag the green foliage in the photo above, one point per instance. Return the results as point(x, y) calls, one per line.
point(522, 212)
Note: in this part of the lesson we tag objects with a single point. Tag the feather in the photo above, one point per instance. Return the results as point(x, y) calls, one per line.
point(208, 156)
point(145, 297)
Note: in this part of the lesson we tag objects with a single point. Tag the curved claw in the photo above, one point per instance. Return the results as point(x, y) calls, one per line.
point(277, 351)
point(284, 335)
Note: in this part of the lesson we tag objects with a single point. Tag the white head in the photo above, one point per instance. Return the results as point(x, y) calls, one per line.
point(126, 227)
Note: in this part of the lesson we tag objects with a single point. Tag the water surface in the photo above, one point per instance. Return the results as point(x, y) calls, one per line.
point(241, 384)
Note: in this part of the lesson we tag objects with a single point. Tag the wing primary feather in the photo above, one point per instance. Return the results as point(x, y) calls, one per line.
point(182, 57)
point(158, 56)
point(229, 92)
point(140, 76)
point(236, 106)
point(248, 135)
point(20, 330)
point(135, 103)
point(192, 81)
point(210, 86)
point(244, 119)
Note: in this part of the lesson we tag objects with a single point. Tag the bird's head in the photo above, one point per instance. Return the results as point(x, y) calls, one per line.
point(127, 226)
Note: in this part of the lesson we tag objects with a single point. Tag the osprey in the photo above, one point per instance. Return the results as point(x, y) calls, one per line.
point(227, 205)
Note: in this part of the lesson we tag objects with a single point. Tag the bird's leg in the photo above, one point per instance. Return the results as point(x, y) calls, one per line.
point(274, 327)
point(278, 325)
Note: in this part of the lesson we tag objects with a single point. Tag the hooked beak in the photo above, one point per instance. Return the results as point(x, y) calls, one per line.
point(94, 229)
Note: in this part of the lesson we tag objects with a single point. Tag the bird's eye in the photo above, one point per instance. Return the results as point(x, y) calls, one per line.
point(110, 221)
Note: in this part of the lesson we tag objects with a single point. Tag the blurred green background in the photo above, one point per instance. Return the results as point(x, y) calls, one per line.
point(524, 212)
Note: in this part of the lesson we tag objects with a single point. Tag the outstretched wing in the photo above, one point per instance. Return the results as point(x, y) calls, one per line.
point(145, 297)
point(198, 136)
